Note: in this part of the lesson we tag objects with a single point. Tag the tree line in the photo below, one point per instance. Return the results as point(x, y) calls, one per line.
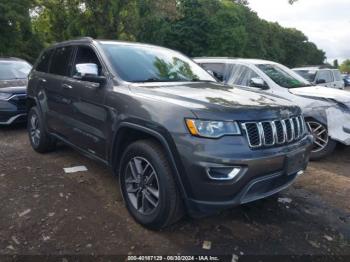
point(194, 27)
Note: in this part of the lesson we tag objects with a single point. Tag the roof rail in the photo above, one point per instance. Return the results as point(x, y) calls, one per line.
point(325, 66)
point(214, 57)
point(84, 38)
point(10, 57)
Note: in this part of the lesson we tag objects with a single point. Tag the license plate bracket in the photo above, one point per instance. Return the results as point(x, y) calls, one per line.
point(295, 162)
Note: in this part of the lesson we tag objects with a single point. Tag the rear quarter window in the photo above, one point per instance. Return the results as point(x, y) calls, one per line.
point(44, 61)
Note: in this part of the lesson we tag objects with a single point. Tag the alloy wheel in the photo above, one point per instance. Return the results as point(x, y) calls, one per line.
point(320, 134)
point(34, 129)
point(142, 185)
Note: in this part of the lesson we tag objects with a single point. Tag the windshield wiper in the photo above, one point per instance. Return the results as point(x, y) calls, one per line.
point(205, 81)
point(151, 80)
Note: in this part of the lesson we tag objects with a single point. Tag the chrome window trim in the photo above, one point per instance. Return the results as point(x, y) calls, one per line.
point(14, 95)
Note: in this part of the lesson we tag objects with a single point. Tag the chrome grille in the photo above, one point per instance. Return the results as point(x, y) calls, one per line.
point(275, 132)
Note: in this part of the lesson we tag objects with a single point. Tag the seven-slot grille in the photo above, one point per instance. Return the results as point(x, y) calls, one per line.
point(275, 132)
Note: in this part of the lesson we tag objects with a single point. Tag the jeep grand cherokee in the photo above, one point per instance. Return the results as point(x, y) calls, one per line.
point(178, 140)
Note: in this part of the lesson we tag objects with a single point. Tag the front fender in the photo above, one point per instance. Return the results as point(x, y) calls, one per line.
point(163, 137)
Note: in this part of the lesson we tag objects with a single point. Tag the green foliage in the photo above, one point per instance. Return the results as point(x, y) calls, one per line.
point(336, 63)
point(194, 27)
point(16, 34)
point(345, 66)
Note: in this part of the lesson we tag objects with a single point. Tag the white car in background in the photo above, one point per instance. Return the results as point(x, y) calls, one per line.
point(326, 110)
point(322, 76)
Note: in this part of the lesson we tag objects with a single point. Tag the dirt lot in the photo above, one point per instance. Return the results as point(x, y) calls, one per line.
point(45, 211)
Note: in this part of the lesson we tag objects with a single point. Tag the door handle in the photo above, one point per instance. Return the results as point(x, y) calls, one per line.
point(65, 86)
point(43, 80)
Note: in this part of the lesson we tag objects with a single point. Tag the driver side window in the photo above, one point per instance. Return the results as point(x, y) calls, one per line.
point(86, 55)
point(325, 76)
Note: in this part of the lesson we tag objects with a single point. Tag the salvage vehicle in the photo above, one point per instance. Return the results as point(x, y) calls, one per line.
point(321, 76)
point(326, 110)
point(178, 140)
point(13, 81)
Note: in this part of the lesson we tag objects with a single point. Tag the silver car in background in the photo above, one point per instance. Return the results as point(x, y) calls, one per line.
point(327, 77)
point(326, 110)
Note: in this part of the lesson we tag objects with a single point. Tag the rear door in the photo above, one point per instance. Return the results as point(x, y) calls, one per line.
point(90, 114)
point(58, 100)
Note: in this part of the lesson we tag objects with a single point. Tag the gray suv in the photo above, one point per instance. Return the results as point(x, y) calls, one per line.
point(178, 140)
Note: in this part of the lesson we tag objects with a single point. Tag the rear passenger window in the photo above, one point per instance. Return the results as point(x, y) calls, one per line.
point(217, 69)
point(240, 75)
point(60, 61)
point(325, 75)
point(44, 62)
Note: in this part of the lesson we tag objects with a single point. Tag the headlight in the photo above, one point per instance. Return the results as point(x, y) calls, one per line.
point(212, 129)
point(4, 96)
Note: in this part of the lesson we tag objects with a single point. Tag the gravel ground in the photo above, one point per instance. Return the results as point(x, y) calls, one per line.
point(45, 211)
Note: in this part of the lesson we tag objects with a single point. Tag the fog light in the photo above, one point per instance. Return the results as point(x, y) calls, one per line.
point(301, 172)
point(223, 173)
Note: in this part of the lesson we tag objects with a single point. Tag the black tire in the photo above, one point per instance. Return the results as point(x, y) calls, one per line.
point(43, 142)
point(169, 208)
point(328, 148)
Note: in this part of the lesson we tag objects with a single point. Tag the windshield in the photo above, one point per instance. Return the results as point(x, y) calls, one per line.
point(10, 70)
point(307, 74)
point(137, 63)
point(283, 76)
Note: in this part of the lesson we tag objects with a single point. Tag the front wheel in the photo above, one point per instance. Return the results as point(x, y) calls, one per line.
point(323, 144)
point(148, 186)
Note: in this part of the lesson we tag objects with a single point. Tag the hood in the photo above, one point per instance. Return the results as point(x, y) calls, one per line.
point(206, 99)
point(13, 86)
point(326, 93)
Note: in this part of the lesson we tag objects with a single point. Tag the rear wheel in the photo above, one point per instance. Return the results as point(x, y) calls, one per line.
point(323, 144)
point(148, 185)
point(39, 138)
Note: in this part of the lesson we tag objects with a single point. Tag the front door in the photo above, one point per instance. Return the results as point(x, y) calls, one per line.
point(325, 78)
point(90, 113)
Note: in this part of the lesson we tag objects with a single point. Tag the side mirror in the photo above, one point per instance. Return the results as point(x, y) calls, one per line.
point(258, 82)
point(320, 81)
point(89, 72)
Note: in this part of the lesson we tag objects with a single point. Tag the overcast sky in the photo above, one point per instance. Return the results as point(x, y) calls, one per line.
point(324, 22)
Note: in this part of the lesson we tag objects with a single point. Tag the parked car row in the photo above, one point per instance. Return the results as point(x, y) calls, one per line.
point(327, 111)
point(179, 140)
point(322, 76)
point(13, 81)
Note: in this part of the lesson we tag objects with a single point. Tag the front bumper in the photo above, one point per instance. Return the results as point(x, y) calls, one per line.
point(264, 172)
point(13, 110)
point(338, 123)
